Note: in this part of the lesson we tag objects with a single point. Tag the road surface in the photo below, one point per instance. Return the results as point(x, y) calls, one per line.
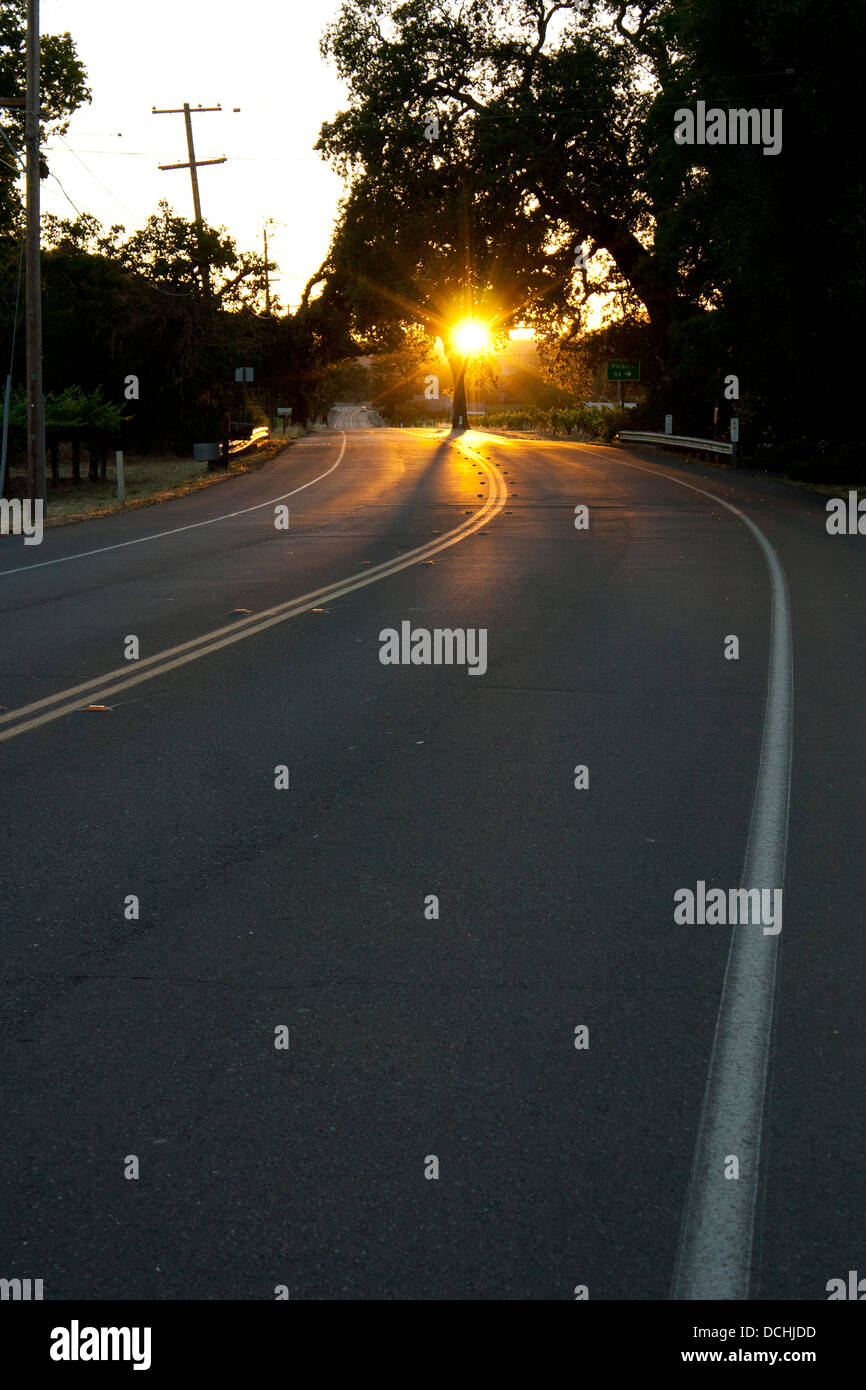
point(413, 1036)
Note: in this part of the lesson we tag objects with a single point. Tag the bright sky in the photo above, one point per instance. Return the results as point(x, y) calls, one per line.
point(260, 55)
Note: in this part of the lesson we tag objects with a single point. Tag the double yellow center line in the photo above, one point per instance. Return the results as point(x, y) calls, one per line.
point(97, 690)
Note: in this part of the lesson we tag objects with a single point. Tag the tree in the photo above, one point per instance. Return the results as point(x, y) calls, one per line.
point(513, 156)
point(394, 373)
point(63, 88)
point(475, 177)
point(168, 252)
point(349, 381)
point(118, 306)
point(776, 245)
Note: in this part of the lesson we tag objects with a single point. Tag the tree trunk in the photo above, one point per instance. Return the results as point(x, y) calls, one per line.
point(76, 459)
point(93, 460)
point(458, 411)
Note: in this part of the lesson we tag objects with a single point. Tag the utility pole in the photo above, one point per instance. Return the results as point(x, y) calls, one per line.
point(33, 270)
point(12, 103)
point(193, 165)
point(32, 263)
point(269, 222)
point(267, 281)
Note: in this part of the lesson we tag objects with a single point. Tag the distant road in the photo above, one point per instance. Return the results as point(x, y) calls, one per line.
point(349, 417)
point(413, 1035)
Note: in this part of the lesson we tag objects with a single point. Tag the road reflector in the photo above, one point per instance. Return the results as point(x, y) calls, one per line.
point(97, 707)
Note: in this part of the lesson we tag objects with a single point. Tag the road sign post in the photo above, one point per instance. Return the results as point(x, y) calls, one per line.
point(243, 375)
point(621, 372)
point(669, 424)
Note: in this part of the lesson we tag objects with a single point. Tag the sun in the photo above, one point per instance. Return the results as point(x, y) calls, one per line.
point(471, 336)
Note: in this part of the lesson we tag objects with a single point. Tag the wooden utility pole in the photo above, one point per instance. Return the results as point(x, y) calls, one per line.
point(33, 272)
point(193, 165)
point(12, 103)
point(267, 281)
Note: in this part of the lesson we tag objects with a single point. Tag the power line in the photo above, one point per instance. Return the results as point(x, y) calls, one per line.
point(66, 195)
point(15, 155)
point(98, 180)
point(245, 158)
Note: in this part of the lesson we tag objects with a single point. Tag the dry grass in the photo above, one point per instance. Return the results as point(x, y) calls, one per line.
point(148, 481)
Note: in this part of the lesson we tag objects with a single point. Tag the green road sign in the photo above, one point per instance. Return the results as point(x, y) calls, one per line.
point(623, 371)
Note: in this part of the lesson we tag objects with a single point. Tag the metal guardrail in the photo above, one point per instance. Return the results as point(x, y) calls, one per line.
point(676, 441)
point(237, 445)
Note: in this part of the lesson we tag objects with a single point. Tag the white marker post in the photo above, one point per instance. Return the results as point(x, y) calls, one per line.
point(121, 481)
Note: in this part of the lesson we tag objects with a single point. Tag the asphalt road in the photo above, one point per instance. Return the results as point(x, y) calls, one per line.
point(410, 1036)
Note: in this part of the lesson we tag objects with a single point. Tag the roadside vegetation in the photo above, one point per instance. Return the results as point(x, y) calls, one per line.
point(550, 186)
point(580, 422)
point(548, 193)
point(149, 479)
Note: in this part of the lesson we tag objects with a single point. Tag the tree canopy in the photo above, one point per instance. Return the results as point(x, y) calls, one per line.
point(505, 157)
point(63, 88)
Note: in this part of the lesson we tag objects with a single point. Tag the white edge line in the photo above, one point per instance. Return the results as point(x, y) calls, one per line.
point(176, 530)
point(714, 1254)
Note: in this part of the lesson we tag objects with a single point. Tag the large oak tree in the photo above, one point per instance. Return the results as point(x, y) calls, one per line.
point(485, 142)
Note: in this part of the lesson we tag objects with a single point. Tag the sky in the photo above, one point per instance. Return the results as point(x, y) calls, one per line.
point(259, 55)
